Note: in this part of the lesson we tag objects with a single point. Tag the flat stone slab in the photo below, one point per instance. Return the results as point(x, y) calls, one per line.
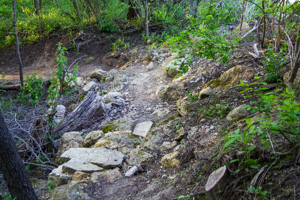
point(101, 157)
point(142, 129)
point(77, 165)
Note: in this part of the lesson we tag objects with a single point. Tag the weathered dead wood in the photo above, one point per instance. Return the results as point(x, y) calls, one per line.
point(10, 87)
point(79, 44)
point(91, 107)
point(216, 183)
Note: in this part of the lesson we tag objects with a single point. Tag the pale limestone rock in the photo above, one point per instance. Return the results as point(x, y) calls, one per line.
point(139, 157)
point(205, 92)
point(60, 113)
point(237, 113)
point(102, 157)
point(168, 145)
point(89, 86)
point(102, 142)
point(170, 160)
point(183, 107)
point(171, 92)
point(58, 177)
point(179, 134)
point(69, 140)
point(97, 74)
point(92, 137)
point(78, 165)
point(132, 171)
point(80, 176)
point(109, 176)
point(142, 129)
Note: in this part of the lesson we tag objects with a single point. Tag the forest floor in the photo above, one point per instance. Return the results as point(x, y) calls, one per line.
point(143, 79)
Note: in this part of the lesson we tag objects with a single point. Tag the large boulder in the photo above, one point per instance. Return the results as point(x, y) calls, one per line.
point(74, 165)
point(69, 140)
point(101, 157)
point(237, 113)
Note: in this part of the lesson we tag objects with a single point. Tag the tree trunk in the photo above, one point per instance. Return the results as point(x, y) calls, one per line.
point(77, 10)
point(92, 10)
point(146, 18)
point(12, 166)
point(90, 108)
point(295, 65)
point(17, 42)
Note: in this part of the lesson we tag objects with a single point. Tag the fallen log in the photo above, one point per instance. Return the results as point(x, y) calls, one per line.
point(91, 107)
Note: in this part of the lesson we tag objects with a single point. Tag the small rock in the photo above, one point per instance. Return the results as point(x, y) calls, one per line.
point(139, 157)
point(80, 81)
point(168, 145)
point(211, 127)
point(69, 140)
point(60, 113)
point(58, 177)
point(92, 137)
point(170, 160)
point(97, 74)
point(205, 92)
point(142, 129)
point(132, 171)
point(237, 113)
point(183, 107)
point(109, 176)
point(179, 134)
point(89, 86)
point(171, 92)
point(80, 176)
point(102, 142)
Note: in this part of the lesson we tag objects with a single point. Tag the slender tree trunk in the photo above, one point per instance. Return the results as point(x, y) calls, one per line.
point(264, 26)
point(295, 65)
point(278, 30)
point(17, 42)
point(146, 18)
point(92, 10)
point(77, 10)
point(12, 166)
point(36, 7)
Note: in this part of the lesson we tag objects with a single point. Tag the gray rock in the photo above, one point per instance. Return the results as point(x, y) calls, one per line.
point(139, 157)
point(92, 137)
point(80, 81)
point(132, 171)
point(237, 113)
point(69, 140)
point(142, 129)
point(153, 140)
point(205, 92)
point(109, 176)
point(183, 107)
point(171, 92)
point(179, 134)
point(89, 86)
point(77, 165)
point(57, 177)
point(102, 157)
point(60, 113)
point(161, 113)
point(66, 192)
point(97, 74)
point(168, 145)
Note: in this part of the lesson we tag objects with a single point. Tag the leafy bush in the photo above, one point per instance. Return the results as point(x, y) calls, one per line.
point(32, 91)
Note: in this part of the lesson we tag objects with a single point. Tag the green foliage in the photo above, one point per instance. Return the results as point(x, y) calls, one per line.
point(51, 185)
point(192, 96)
point(120, 44)
point(203, 38)
point(220, 109)
point(32, 91)
point(274, 63)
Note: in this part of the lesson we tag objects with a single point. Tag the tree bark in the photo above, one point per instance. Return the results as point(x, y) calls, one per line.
point(17, 42)
point(77, 10)
point(92, 10)
point(91, 107)
point(12, 166)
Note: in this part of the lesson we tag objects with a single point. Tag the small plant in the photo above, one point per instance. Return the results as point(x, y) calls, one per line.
point(32, 91)
point(177, 125)
point(89, 60)
point(273, 64)
point(51, 185)
point(222, 109)
point(119, 44)
point(192, 96)
point(64, 79)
